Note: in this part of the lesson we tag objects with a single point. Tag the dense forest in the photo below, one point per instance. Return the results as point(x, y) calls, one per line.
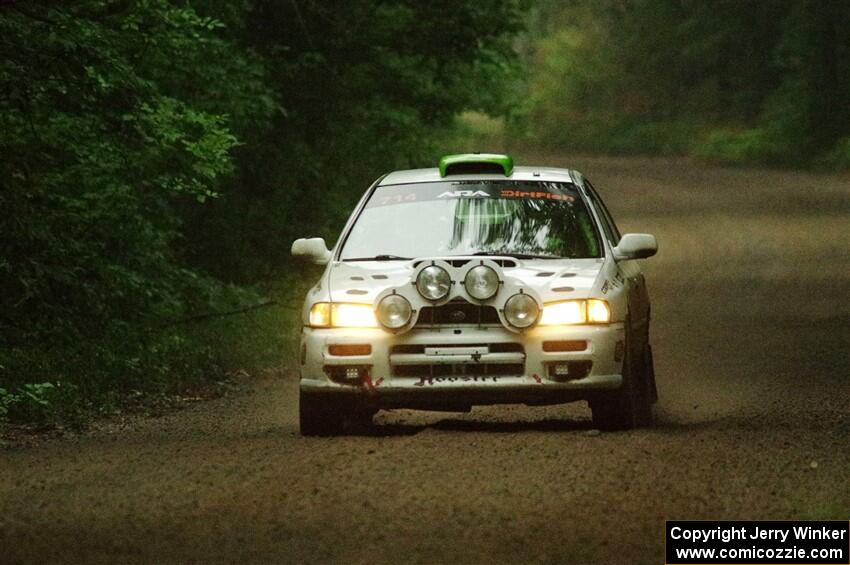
point(158, 157)
point(748, 81)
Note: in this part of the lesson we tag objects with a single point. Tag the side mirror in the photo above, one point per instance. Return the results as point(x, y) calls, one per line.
point(635, 246)
point(313, 249)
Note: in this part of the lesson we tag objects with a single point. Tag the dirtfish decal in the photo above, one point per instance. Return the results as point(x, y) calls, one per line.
point(464, 194)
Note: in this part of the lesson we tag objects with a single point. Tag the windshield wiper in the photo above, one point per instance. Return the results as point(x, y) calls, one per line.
point(380, 258)
point(515, 255)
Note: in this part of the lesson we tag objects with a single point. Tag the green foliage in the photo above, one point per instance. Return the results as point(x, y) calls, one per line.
point(34, 402)
point(365, 87)
point(839, 157)
point(5, 401)
point(755, 145)
point(105, 139)
point(156, 153)
point(742, 81)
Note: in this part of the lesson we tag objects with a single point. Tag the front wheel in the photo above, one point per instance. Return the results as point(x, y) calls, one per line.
point(631, 405)
point(320, 415)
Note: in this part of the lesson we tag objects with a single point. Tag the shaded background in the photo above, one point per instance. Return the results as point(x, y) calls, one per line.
point(157, 158)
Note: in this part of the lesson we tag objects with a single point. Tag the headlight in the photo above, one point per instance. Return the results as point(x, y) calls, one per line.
point(598, 312)
point(433, 282)
point(394, 311)
point(521, 310)
point(481, 282)
point(320, 315)
point(575, 312)
point(342, 315)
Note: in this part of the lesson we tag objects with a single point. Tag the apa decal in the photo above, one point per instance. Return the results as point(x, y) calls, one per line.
point(464, 194)
point(605, 287)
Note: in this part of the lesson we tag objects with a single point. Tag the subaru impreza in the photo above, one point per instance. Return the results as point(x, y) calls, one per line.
point(472, 283)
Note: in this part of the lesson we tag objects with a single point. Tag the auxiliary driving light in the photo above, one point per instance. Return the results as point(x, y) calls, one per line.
point(394, 311)
point(521, 311)
point(433, 282)
point(481, 282)
point(570, 370)
point(347, 374)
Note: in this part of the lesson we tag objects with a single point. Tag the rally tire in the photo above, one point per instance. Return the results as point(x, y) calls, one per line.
point(650, 368)
point(630, 406)
point(320, 415)
point(317, 417)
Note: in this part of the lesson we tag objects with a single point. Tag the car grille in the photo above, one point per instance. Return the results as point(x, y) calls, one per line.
point(457, 313)
point(502, 359)
point(508, 347)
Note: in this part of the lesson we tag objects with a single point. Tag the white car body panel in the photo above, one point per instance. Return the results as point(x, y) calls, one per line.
point(547, 280)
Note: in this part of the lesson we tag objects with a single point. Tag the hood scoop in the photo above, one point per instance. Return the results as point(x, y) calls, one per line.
point(563, 289)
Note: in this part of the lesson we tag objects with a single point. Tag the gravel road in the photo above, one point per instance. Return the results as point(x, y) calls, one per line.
point(751, 330)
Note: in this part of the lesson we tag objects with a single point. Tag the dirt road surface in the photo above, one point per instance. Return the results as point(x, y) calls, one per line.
point(751, 326)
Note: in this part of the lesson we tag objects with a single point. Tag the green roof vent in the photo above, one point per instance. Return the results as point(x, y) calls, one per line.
point(476, 164)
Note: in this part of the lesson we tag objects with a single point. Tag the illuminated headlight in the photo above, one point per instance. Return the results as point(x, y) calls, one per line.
point(342, 315)
point(598, 312)
point(433, 282)
point(521, 310)
point(575, 312)
point(394, 311)
point(320, 315)
point(481, 282)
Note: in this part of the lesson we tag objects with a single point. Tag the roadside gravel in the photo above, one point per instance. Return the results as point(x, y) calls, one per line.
point(751, 331)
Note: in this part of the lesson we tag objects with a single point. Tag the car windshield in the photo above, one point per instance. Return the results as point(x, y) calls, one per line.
point(493, 217)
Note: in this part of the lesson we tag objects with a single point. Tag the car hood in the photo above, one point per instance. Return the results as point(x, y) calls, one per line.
point(553, 280)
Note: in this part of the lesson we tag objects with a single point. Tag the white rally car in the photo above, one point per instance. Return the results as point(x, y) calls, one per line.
point(474, 283)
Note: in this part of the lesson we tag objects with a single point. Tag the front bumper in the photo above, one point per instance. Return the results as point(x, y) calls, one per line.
point(514, 368)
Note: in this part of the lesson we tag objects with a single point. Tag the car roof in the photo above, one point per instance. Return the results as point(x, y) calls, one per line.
point(550, 174)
